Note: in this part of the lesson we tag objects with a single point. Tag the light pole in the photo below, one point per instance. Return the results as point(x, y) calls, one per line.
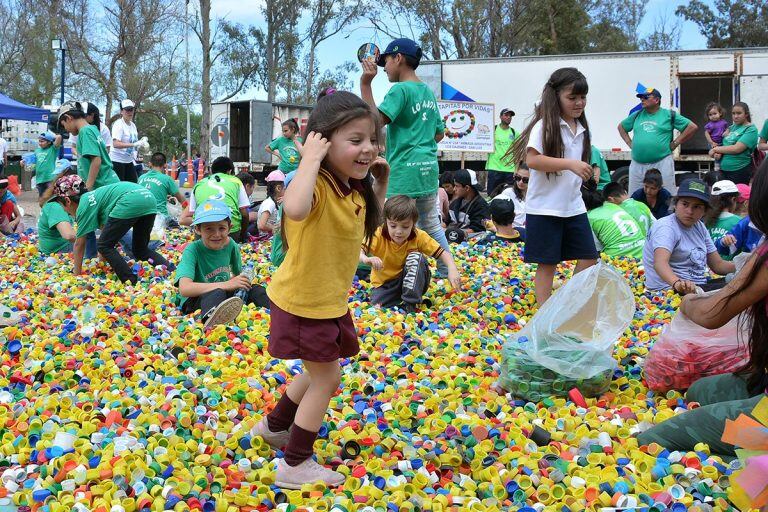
point(60, 44)
point(189, 126)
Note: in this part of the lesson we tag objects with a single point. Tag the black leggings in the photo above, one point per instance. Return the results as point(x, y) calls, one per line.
point(126, 172)
point(113, 231)
point(743, 175)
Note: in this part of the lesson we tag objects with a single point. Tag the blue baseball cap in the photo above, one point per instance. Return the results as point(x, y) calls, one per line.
point(695, 188)
point(211, 211)
point(402, 45)
point(49, 136)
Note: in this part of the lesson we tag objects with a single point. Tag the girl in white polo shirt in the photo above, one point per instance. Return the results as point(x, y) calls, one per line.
point(557, 148)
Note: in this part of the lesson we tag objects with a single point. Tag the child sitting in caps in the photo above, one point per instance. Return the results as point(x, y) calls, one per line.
point(161, 185)
point(209, 273)
point(503, 217)
point(614, 192)
point(399, 269)
point(10, 215)
point(469, 211)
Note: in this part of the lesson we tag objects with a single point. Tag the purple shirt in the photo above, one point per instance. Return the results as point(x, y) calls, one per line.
point(716, 129)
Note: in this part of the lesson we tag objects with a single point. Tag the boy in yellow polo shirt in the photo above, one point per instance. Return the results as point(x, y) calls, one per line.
point(400, 272)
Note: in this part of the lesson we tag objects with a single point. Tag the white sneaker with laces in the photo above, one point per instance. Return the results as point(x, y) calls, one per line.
point(308, 472)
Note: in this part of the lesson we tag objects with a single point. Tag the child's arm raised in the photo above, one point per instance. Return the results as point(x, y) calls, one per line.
point(297, 201)
point(543, 163)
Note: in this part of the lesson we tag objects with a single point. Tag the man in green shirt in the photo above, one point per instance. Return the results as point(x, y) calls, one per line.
point(93, 163)
point(160, 184)
point(414, 127)
point(653, 129)
point(501, 169)
point(614, 192)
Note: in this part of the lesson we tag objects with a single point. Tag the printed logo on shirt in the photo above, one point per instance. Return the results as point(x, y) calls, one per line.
point(649, 126)
point(218, 275)
point(699, 257)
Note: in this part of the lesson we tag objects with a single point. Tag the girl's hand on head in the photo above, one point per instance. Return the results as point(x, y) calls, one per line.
point(582, 169)
point(379, 169)
point(315, 147)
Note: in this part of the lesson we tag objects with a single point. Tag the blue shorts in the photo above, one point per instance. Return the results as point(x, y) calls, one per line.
point(551, 239)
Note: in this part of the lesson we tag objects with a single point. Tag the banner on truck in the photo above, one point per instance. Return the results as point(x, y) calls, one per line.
point(468, 126)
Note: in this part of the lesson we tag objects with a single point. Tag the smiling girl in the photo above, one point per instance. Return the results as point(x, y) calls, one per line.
point(333, 204)
point(556, 146)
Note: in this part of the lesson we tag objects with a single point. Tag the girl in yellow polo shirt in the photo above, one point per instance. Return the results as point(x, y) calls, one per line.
point(332, 204)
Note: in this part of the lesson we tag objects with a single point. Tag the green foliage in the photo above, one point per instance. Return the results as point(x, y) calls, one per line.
point(171, 140)
point(733, 24)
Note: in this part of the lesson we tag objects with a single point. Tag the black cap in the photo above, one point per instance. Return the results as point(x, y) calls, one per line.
point(465, 177)
point(695, 188)
point(507, 111)
point(502, 207)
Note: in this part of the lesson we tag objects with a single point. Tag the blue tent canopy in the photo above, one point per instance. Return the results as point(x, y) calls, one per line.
point(12, 109)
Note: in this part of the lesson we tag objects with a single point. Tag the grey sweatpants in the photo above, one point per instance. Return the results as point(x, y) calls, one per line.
point(409, 287)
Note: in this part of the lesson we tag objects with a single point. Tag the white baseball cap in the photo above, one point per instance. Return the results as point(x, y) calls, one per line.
point(127, 104)
point(724, 187)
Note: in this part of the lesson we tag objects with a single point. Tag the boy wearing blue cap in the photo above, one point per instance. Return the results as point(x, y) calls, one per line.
point(209, 273)
point(45, 160)
point(414, 127)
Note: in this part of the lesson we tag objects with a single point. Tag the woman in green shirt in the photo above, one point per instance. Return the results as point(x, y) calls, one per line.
point(739, 142)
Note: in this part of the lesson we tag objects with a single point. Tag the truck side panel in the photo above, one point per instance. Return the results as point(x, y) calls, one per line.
point(219, 136)
point(261, 131)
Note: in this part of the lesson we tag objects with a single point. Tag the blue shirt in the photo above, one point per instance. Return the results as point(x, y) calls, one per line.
point(8, 197)
point(663, 201)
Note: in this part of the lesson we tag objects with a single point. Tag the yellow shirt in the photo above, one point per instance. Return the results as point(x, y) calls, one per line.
point(393, 256)
point(323, 251)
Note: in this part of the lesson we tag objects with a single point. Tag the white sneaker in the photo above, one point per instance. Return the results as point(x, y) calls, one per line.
point(224, 313)
point(308, 472)
point(274, 439)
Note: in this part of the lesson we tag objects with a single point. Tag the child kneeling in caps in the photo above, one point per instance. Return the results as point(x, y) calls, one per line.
point(209, 273)
point(400, 272)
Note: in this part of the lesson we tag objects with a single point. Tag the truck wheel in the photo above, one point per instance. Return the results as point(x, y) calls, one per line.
point(621, 175)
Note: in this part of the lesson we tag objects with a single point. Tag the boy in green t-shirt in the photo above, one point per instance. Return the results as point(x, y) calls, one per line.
point(209, 274)
point(115, 209)
point(45, 160)
point(616, 233)
point(414, 127)
point(159, 184)
point(614, 192)
point(93, 163)
point(222, 186)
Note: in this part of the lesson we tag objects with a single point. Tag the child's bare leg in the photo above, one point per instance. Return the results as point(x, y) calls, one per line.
point(542, 282)
point(583, 265)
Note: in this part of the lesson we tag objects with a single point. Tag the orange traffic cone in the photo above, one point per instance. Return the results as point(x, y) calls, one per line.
point(190, 174)
point(174, 167)
point(200, 169)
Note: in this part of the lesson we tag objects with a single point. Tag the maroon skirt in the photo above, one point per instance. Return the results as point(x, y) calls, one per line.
point(311, 339)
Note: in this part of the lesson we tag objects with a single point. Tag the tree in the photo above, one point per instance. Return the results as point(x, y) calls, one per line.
point(734, 24)
point(166, 129)
point(665, 35)
point(277, 43)
point(125, 48)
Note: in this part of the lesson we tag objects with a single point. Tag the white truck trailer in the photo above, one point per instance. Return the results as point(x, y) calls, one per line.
point(687, 80)
point(241, 130)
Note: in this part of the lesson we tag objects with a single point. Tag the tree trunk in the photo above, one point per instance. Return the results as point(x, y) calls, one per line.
point(205, 39)
point(310, 73)
point(551, 14)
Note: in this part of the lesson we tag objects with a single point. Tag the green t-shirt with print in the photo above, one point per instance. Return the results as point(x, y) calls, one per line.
point(50, 240)
point(204, 265)
point(502, 140)
point(289, 155)
point(596, 159)
point(747, 135)
point(89, 145)
point(617, 231)
point(723, 225)
point(411, 148)
point(45, 163)
point(221, 187)
point(122, 200)
point(640, 212)
point(652, 133)
point(161, 186)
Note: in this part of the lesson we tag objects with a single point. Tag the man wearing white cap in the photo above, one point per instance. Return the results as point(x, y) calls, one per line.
point(125, 137)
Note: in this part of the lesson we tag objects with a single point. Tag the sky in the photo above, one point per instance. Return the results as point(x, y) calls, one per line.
point(343, 47)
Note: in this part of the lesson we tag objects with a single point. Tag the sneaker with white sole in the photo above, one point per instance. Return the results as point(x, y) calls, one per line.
point(274, 439)
point(224, 313)
point(308, 472)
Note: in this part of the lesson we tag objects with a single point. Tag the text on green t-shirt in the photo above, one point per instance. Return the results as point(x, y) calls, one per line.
point(652, 133)
point(640, 212)
point(160, 186)
point(616, 231)
point(411, 148)
point(122, 200)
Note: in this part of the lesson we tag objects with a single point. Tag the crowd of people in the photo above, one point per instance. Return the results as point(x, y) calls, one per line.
point(347, 199)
